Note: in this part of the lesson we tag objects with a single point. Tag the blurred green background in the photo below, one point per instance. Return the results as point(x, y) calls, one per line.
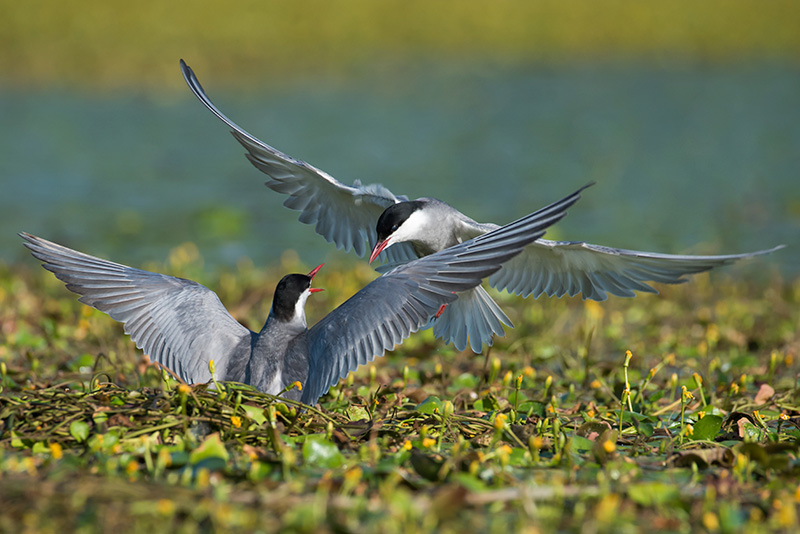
point(686, 113)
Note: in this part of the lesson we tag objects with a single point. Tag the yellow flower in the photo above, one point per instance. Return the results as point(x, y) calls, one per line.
point(236, 421)
point(184, 389)
point(712, 333)
point(407, 445)
point(503, 453)
point(593, 309)
point(353, 475)
point(500, 421)
point(428, 443)
point(132, 467)
point(165, 507)
point(298, 385)
point(507, 378)
point(609, 446)
point(529, 371)
point(56, 451)
point(710, 521)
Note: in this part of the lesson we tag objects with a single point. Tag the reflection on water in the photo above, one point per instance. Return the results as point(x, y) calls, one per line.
point(686, 160)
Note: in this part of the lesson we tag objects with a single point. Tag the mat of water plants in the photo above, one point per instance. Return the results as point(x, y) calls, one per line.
point(675, 412)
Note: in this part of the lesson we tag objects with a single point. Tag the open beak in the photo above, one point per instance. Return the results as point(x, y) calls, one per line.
point(311, 275)
point(379, 246)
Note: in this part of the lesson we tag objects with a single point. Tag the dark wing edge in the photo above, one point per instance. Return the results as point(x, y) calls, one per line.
point(390, 308)
point(344, 215)
point(176, 322)
point(558, 268)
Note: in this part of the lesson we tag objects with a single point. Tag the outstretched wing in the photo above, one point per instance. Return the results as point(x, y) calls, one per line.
point(342, 214)
point(178, 323)
point(387, 310)
point(558, 268)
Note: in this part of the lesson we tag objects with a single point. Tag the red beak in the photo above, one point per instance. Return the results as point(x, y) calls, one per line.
point(311, 275)
point(379, 246)
point(314, 271)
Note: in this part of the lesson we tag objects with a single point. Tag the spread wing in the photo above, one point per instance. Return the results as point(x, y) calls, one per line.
point(387, 310)
point(558, 268)
point(344, 215)
point(178, 323)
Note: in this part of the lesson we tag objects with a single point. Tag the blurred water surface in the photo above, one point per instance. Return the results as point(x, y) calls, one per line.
point(686, 160)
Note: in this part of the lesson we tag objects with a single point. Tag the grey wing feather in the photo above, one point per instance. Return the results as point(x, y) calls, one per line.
point(342, 214)
point(475, 316)
point(178, 323)
point(401, 301)
point(558, 268)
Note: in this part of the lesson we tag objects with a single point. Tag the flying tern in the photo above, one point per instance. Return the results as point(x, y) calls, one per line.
point(356, 217)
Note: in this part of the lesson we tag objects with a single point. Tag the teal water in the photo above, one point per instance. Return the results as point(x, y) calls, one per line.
point(686, 160)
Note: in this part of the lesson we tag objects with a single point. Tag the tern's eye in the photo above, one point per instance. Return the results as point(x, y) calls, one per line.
point(394, 227)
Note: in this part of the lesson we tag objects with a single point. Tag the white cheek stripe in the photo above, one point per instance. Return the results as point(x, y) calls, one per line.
point(416, 224)
point(300, 307)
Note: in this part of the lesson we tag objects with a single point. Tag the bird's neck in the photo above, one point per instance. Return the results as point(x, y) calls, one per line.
point(292, 327)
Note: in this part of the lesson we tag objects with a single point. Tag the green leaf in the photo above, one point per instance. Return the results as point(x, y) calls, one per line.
point(470, 482)
point(633, 417)
point(320, 452)
point(212, 447)
point(653, 493)
point(490, 403)
point(517, 457)
point(103, 442)
point(358, 413)
point(15, 441)
point(580, 443)
point(79, 430)
point(534, 407)
point(707, 428)
point(255, 414)
point(749, 431)
point(429, 405)
point(512, 398)
point(466, 381)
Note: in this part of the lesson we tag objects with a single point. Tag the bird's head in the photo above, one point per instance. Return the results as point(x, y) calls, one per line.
point(291, 293)
point(398, 223)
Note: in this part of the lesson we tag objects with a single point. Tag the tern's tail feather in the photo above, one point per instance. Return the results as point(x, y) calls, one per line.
point(474, 316)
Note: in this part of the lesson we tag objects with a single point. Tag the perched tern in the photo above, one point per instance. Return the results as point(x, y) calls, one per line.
point(361, 216)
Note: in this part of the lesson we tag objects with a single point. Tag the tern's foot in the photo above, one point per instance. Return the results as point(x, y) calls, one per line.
point(440, 312)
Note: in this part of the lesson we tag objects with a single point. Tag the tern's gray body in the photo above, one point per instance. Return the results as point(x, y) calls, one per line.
point(183, 325)
point(347, 215)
